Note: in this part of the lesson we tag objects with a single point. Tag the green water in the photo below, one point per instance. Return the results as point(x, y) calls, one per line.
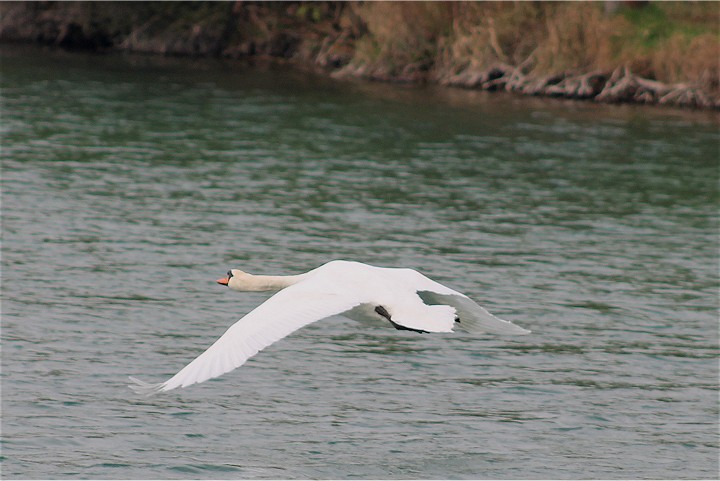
point(131, 183)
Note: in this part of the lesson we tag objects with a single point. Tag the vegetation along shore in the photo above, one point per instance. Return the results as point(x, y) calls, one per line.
point(665, 53)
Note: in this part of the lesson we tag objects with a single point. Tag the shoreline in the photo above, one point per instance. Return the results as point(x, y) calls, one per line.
point(328, 37)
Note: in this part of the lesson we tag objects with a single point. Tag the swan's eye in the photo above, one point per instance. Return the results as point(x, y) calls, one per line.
point(229, 274)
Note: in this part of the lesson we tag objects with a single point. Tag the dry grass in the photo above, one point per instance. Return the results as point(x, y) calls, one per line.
point(401, 33)
point(578, 37)
point(674, 42)
point(682, 59)
point(668, 41)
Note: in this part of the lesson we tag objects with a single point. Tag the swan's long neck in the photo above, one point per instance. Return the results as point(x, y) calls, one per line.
point(250, 282)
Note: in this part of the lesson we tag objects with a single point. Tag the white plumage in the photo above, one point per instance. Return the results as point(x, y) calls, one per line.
point(404, 297)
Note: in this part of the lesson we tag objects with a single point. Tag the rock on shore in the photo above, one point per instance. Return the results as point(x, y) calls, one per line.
point(618, 86)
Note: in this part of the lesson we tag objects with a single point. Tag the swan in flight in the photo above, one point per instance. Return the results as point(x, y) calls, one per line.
point(404, 298)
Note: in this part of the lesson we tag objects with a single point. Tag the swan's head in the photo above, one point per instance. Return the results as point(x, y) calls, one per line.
point(235, 279)
point(242, 281)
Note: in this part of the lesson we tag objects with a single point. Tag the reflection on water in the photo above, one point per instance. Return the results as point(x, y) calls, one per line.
point(131, 183)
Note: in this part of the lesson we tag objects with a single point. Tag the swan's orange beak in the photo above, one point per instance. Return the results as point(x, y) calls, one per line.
point(224, 281)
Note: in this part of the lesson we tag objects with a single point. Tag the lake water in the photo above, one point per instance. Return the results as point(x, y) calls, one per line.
point(131, 183)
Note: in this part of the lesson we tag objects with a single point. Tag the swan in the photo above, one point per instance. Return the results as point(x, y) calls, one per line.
point(402, 297)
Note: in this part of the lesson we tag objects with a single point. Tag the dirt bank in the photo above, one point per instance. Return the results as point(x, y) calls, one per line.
point(662, 53)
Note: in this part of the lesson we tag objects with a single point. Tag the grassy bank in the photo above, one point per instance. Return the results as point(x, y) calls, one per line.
point(667, 41)
point(654, 52)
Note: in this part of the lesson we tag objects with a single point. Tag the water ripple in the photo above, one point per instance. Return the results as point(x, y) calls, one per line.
point(129, 186)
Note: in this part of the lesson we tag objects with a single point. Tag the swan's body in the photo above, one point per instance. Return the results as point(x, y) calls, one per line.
point(404, 297)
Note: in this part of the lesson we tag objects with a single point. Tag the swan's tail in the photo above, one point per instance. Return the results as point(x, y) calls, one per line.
point(145, 389)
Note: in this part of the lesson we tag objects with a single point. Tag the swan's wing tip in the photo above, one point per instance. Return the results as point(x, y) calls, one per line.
point(145, 389)
point(484, 322)
point(522, 331)
point(502, 328)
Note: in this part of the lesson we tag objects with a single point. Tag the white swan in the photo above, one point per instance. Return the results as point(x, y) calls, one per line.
point(404, 297)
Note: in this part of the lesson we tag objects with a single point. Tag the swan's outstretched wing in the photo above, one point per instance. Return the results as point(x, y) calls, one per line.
point(285, 312)
point(472, 316)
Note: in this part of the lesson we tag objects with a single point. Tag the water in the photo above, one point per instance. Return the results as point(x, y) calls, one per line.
point(131, 183)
